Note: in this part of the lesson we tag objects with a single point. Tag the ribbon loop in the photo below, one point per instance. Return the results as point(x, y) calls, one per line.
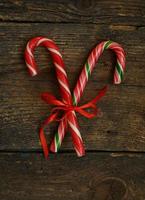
point(60, 106)
point(51, 99)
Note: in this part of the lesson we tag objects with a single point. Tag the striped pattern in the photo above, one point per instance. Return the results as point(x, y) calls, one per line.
point(64, 88)
point(91, 62)
point(89, 66)
point(71, 120)
point(120, 64)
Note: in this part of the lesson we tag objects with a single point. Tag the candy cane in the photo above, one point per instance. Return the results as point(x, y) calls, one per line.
point(90, 64)
point(64, 88)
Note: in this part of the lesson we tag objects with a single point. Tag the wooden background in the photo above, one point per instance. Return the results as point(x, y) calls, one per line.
point(114, 165)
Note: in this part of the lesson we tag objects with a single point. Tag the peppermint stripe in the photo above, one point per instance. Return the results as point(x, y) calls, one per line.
point(88, 69)
point(29, 50)
point(64, 86)
point(78, 153)
point(31, 69)
point(117, 77)
point(107, 44)
point(119, 69)
point(57, 142)
point(43, 40)
point(60, 68)
point(74, 100)
point(55, 51)
point(75, 129)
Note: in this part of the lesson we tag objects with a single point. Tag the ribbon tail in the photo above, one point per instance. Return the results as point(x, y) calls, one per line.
point(43, 143)
point(100, 94)
point(51, 99)
point(42, 137)
point(88, 114)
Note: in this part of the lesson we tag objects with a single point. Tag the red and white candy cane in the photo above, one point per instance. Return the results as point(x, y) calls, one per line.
point(65, 93)
point(90, 64)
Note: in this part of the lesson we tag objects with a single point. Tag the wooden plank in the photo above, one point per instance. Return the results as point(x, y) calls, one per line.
point(121, 127)
point(96, 176)
point(106, 12)
point(75, 43)
point(21, 110)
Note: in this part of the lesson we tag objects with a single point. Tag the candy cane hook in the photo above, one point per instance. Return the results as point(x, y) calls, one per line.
point(91, 63)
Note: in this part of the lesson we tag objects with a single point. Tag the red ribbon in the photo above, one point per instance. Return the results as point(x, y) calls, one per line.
point(63, 109)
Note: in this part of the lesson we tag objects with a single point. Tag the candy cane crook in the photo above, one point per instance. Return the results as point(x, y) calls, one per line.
point(91, 62)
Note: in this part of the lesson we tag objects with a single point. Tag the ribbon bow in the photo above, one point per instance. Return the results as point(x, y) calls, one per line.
point(68, 106)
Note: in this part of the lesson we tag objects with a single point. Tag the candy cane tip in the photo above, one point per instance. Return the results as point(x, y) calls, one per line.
point(81, 155)
point(117, 82)
point(34, 73)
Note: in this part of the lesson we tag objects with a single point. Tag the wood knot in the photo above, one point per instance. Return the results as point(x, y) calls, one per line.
point(108, 188)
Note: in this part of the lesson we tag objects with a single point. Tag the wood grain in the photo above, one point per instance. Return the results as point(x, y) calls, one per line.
point(76, 26)
point(131, 12)
point(97, 176)
point(120, 128)
point(75, 43)
point(21, 110)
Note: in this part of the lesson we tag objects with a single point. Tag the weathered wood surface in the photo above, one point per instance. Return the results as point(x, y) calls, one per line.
point(98, 176)
point(86, 11)
point(22, 111)
point(76, 26)
point(75, 42)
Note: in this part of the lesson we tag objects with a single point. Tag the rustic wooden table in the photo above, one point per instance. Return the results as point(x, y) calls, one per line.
point(114, 165)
